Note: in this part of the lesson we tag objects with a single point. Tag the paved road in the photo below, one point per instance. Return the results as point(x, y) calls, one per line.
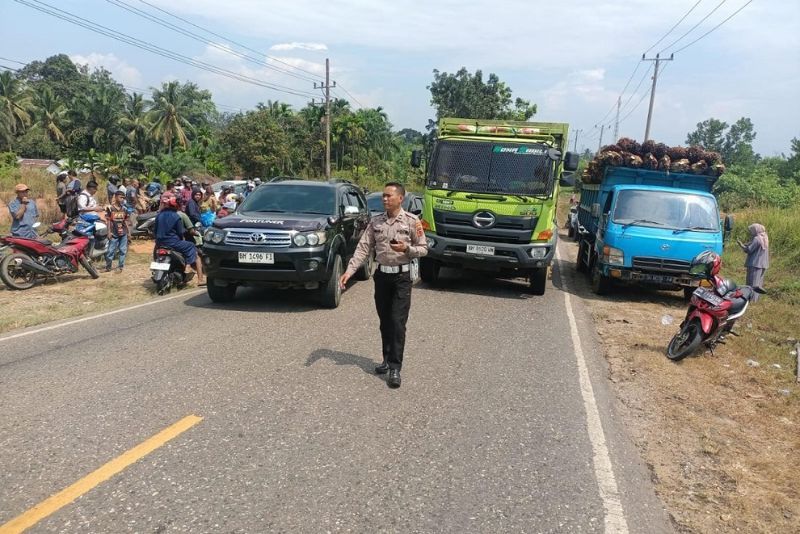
point(489, 432)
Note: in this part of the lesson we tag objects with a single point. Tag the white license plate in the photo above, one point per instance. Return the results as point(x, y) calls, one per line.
point(155, 266)
point(480, 249)
point(256, 257)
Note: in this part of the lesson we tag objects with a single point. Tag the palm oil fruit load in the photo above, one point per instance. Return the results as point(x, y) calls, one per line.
point(653, 156)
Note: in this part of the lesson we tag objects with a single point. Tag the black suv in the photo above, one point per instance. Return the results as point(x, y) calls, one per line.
point(288, 233)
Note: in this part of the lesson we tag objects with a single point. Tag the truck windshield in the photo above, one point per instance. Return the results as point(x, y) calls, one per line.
point(288, 198)
point(677, 211)
point(517, 169)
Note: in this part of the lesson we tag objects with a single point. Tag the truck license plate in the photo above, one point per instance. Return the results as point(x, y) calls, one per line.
point(480, 249)
point(256, 257)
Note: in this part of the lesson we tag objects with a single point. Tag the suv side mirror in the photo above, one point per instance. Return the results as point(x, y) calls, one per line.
point(350, 211)
point(416, 158)
point(571, 160)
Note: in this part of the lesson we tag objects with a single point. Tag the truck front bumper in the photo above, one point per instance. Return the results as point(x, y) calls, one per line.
point(626, 274)
point(507, 256)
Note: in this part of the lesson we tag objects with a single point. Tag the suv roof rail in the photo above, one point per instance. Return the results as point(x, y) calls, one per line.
point(339, 181)
point(283, 178)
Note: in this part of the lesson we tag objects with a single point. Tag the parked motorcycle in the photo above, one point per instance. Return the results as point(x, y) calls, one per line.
point(145, 225)
point(168, 269)
point(32, 259)
point(713, 310)
point(92, 226)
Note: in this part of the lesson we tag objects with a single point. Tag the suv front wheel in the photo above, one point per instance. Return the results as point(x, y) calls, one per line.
point(331, 291)
point(220, 294)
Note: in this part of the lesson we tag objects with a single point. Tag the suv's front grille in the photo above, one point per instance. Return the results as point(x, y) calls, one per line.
point(255, 237)
point(660, 264)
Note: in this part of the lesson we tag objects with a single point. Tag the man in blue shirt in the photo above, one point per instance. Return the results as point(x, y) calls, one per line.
point(23, 213)
point(170, 233)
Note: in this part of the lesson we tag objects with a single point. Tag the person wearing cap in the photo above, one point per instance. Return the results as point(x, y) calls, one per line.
point(24, 213)
point(116, 218)
point(395, 237)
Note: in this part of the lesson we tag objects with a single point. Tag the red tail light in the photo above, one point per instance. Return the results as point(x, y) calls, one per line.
point(162, 252)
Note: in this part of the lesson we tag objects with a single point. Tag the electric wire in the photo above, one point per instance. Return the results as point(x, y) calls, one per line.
point(315, 75)
point(714, 28)
point(351, 96)
point(679, 39)
point(644, 95)
point(675, 26)
point(152, 18)
point(119, 36)
point(641, 81)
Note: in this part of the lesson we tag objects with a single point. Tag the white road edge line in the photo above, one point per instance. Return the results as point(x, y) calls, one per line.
point(603, 471)
point(99, 315)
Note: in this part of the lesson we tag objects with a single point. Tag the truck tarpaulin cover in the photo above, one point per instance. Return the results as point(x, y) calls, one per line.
point(487, 167)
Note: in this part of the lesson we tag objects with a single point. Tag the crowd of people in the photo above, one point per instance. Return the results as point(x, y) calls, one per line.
point(195, 205)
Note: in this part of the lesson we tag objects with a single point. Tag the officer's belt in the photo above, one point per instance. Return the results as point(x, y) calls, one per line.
point(394, 269)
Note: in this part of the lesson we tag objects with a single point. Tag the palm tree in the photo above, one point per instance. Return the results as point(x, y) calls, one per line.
point(49, 114)
point(169, 116)
point(135, 122)
point(15, 104)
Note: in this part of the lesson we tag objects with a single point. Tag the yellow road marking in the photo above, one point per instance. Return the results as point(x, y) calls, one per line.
point(67, 495)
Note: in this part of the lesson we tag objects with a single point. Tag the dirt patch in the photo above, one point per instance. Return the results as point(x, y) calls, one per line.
point(77, 294)
point(721, 437)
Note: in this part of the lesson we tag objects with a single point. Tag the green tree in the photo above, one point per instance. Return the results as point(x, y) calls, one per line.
point(49, 115)
point(169, 116)
point(60, 74)
point(466, 95)
point(709, 134)
point(95, 115)
point(734, 142)
point(257, 144)
point(135, 123)
point(15, 103)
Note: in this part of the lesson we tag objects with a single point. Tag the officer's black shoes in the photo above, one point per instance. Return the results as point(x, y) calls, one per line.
point(382, 369)
point(394, 378)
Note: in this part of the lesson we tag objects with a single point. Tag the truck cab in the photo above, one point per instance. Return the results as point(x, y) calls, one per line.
point(490, 197)
point(644, 227)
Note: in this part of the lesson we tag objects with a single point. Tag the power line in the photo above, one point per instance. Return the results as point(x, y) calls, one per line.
point(679, 39)
point(161, 22)
point(13, 61)
point(644, 95)
point(714, 28)
point(351, 96)
point(119, 36)
point(675, 26)
point(641, 81)
point(317, 76)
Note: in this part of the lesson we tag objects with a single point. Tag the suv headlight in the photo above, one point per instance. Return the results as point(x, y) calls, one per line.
point(613, 256)
point(214, 235)
point(309, 238)
point(538, 253)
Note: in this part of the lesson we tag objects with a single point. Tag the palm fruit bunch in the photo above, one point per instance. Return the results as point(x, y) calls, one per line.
point(653, 156)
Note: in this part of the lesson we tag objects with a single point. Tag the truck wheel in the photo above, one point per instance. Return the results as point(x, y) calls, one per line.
point(429, 270)
point(579, 263)
point(601, 285)
point(365, 272)
point(331, 292)
point(538, 281)
point(220, 294)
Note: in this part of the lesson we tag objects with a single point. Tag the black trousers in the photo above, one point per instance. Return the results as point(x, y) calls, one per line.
point(392, 301)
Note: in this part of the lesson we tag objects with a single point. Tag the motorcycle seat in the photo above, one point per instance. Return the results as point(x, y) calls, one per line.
point(738, 304)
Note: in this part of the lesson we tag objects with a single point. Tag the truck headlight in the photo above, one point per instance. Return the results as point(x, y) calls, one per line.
point(538, 253)
point(431, 242)
point(613, 256)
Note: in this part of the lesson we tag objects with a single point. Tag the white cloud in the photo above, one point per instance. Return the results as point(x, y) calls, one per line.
point(314, 47)
point(122, 71)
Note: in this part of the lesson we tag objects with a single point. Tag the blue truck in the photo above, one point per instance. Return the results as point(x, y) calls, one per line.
point(644, 227)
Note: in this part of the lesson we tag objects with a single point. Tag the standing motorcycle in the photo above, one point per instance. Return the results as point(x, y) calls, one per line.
point(32, 259)
point(713, 310)
point(169, 269)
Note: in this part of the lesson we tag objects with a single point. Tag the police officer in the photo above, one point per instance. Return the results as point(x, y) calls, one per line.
point(396, 237)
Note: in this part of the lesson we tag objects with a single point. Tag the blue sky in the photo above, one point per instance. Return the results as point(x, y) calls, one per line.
point(572, 58)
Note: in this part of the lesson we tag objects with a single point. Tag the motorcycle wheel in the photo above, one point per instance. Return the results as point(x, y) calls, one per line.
point(87, 264)
point(685, 342)
point(15, 277)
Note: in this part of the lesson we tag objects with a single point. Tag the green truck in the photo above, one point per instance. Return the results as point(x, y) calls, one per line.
point(490, 197)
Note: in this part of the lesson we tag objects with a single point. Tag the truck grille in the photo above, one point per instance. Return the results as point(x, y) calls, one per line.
point(661, 265)
point(255, 237)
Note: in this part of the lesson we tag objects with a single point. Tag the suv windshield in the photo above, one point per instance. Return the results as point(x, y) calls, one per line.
point(487, 167)
point(291, 198)
point(667, 210)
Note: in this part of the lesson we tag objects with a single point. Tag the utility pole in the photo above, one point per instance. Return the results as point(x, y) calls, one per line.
point(600, 142)
point(577, 133)
point(616, 122)
point(327, 86)
point(657, 59)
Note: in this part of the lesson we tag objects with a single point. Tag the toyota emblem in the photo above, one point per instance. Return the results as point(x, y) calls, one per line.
point(483, 219)
point(258, 238)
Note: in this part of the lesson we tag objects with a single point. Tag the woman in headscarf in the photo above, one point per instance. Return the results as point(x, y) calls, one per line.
point(757, 261)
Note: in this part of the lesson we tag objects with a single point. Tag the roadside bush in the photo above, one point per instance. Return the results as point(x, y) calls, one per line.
point(738, 189)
